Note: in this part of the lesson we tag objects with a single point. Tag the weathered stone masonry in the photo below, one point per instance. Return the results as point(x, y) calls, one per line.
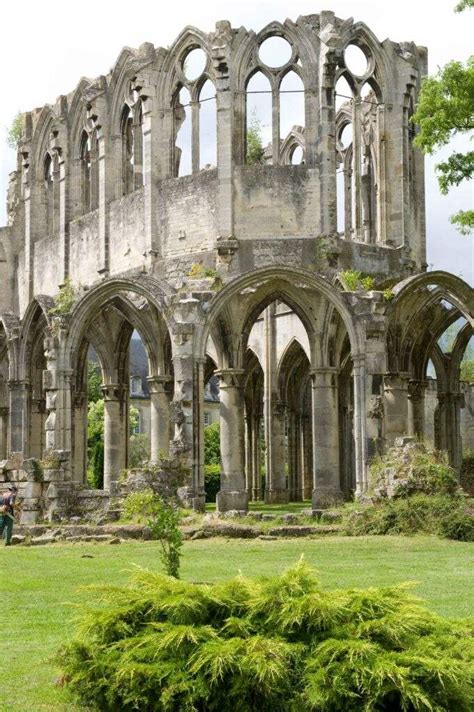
point(326, 376)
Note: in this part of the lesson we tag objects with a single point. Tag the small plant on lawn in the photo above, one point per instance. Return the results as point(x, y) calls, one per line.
point(281, 644)
point(163, 519)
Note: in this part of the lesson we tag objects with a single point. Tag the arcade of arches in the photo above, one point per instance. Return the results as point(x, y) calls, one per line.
point(313, 382)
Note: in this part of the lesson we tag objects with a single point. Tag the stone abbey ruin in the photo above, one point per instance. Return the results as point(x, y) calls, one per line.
point(290, 262)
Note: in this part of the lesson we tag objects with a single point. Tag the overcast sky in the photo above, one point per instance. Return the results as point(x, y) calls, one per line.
point(47, 46)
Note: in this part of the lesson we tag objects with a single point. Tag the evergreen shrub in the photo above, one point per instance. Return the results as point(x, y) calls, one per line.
point(267, 645)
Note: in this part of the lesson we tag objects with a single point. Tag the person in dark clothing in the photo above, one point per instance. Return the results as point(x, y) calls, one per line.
point(7, 501)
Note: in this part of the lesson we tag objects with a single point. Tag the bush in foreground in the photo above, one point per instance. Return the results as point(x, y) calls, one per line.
point(281, 643)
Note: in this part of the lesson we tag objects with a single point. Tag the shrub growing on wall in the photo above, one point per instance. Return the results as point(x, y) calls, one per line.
point(277, 644)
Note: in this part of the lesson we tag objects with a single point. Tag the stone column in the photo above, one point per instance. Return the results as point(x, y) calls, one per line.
point(232, 494)
point(416, 407)
point(277, 490)
point(36, 429)
point(450, 405)
point(18, 433)
point(187, 406)
point(159, 418)
point(248, 452)
point(57, 387)
point(395, 406)
point(256, 464)
point(79, 465)
point(152, 161)
point(63, 214)
point(294, 458)
point(306, 457)
point(327, 127)
point(360, 422)
point(4, 413)
point(114, 442)
point(221, 59)
point(326, 475)
point(274, 416)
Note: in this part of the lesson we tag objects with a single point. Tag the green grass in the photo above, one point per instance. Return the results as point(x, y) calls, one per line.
point(37, 582)
point(288, 508)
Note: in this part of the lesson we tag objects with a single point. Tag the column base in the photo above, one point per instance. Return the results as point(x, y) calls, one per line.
point(277, 496)
point(191, 499)
point(239, 500)
point(324, 497)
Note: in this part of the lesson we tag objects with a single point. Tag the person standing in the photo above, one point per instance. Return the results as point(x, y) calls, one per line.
point(7, 502)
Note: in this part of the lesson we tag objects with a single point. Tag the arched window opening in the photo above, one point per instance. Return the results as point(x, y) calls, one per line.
point(183, 133)
point(132, 148)
point(358, 100)
point(356, 60)
point(292, 105)
point(467, 363)
point(127, 151)
point(139, 416)
point(258, 120)
point(51, 202)
point(89, 157)
point(344, 177)
point(448, 338)
point(194, 64)
point(297, 156)
point(207, 126)
point(343, 93)
point(275, 52)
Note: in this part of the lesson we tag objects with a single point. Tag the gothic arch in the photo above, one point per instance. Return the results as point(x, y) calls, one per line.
point(288, 284)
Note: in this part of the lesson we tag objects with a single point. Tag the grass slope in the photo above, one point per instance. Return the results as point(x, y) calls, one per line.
point(36, 583)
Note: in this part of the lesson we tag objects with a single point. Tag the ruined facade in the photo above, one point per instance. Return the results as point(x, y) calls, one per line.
point(234, 266)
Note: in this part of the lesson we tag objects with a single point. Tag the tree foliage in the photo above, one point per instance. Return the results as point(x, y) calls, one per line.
point(15, 130)
point(255, 150)
point(212, 444)
point(445, 109)
point(273, 645)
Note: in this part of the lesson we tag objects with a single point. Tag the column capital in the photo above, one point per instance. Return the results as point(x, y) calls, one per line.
point(157, 384)
point(358, 360)
point(230, 377)
point(324, 377)
point(111, 391)
point(17, 384)
point(394, 381)
point(416, 388)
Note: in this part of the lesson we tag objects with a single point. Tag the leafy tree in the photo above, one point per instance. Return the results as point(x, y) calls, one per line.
point(138, 449)
point(467, 371)
point(445, 109)
point(15, 130)
point(94, 382)
point(255, 148)
point(212, 444)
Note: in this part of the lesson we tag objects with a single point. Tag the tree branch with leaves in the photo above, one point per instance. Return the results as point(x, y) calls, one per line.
point(446, 109)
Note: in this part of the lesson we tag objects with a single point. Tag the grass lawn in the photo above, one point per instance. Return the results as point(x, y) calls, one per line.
point(37, 582)
point(289, 507)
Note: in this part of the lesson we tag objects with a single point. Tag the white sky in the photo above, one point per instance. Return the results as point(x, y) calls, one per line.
point(47, 46)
